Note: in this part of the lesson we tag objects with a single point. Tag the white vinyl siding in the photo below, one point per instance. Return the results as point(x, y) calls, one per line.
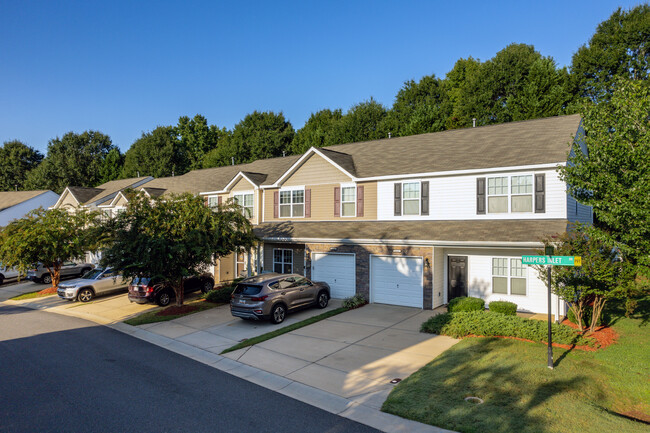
point(454, 198)
point(480, 278)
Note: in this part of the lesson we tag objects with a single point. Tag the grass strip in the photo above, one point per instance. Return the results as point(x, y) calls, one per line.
point(277, 332)
point(31, 295)
point(154, 317)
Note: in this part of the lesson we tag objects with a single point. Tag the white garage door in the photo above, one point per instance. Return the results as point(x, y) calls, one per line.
point(337, 270)
point(396, 280)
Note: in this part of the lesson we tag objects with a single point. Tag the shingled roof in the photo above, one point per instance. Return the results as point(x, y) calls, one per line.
point(12, 198)
point(440, 231)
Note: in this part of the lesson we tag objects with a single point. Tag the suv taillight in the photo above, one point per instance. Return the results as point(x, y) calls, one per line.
point(259, 298)
point(149, 289)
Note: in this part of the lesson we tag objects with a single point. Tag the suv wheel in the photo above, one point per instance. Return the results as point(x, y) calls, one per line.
point(323, 299)
point(85, 295)
point(207, 286)
point(277, 313)
point(47, 279)
point(164, 298)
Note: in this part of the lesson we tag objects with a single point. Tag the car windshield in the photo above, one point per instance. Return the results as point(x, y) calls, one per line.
point(248, 289)
point(91, 275)
point(137, 281)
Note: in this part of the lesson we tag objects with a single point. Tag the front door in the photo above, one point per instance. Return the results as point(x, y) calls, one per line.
point(457, 277)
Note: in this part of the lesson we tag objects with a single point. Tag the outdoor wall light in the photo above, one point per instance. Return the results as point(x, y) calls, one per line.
point(427, 263)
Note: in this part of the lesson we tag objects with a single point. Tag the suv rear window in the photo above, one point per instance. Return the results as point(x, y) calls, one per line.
point(247, 289)
point(141, 281)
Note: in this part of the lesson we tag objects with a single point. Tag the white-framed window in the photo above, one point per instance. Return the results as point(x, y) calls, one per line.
point(213, 202)
point(106, 214)
point(509, 276)
point(282, 261)
point(292, 203)
point(246, 201)
point(348, 201)
point(411, 198)
point(510, 194)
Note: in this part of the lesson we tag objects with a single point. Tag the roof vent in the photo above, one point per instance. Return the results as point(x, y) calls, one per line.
point(389, 134)
point(284, 153)
point(474, 122)
point(232, 160)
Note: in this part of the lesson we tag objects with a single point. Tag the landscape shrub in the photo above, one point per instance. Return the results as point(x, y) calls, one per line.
point(503, 307)
point(489, 324)
point(220, 295)
point(587, 312)
point(465, 303)
point(355, 301)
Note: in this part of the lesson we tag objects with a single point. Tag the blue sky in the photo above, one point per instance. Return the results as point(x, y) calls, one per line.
point(124, 67)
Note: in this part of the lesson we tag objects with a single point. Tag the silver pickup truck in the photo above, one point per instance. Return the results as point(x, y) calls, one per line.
point(97, 282)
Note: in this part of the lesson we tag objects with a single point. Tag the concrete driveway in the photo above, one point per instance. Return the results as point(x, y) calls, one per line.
point(354, 354)
point(216, 329)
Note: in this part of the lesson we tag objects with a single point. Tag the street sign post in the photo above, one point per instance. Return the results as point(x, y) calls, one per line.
point(551, 261)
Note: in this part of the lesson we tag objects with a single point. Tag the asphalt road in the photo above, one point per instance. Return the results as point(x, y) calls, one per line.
point(60, 373)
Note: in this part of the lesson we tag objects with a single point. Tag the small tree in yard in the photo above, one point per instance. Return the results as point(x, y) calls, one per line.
point(173, 238)
point(50, 237)
point(593, 283)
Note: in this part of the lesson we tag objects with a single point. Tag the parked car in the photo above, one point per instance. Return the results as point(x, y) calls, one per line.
point(271, 296)
point(68, 269)
point(145, 289)
point(7, 274)
point(96, 282)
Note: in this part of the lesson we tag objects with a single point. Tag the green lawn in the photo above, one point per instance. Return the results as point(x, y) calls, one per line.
point(585, 393)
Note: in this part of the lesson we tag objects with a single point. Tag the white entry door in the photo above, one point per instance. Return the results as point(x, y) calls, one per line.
point(337, 270)
point(396, 280)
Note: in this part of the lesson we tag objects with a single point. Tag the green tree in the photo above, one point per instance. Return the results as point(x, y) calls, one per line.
point(259, 135)
point(158, 153)
point(609, 169)
point(16, 160)
point(112, 167)
point(173, 238)
point(619, 48)
point(463, 75)
point(50, 237)
point(364, 121)
point(321, 129)
point(593, 283)
point(518, 83)
point(74, 159)
point(419, 107)
point(198, 138)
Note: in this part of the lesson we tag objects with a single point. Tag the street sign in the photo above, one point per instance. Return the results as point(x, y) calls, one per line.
point(552, 260)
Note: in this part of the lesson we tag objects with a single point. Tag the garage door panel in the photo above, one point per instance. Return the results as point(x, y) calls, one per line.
point(337, 270)
point(396, 280)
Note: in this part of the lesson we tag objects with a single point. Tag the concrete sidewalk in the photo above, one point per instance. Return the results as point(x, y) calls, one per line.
point(342, 364)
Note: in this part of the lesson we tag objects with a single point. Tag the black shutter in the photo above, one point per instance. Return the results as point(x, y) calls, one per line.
point(540, 193)
point(424, 204)
point(398, 199)
point(480, 195)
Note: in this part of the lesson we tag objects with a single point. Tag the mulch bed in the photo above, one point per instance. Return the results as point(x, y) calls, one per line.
point(603, 335)
point(173, 311)
point(48, 291)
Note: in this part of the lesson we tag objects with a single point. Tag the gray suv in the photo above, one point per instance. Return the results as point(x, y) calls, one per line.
point(272, 296)
point(68, 269)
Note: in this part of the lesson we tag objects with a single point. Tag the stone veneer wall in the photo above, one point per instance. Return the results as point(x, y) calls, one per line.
point(363, 253)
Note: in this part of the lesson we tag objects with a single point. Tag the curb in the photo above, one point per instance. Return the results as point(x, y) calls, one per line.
point(327, 401)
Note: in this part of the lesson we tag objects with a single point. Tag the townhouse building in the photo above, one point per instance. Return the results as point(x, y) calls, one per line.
point(412, 221)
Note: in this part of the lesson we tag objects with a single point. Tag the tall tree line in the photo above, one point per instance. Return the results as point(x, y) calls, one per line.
point(518, 83)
